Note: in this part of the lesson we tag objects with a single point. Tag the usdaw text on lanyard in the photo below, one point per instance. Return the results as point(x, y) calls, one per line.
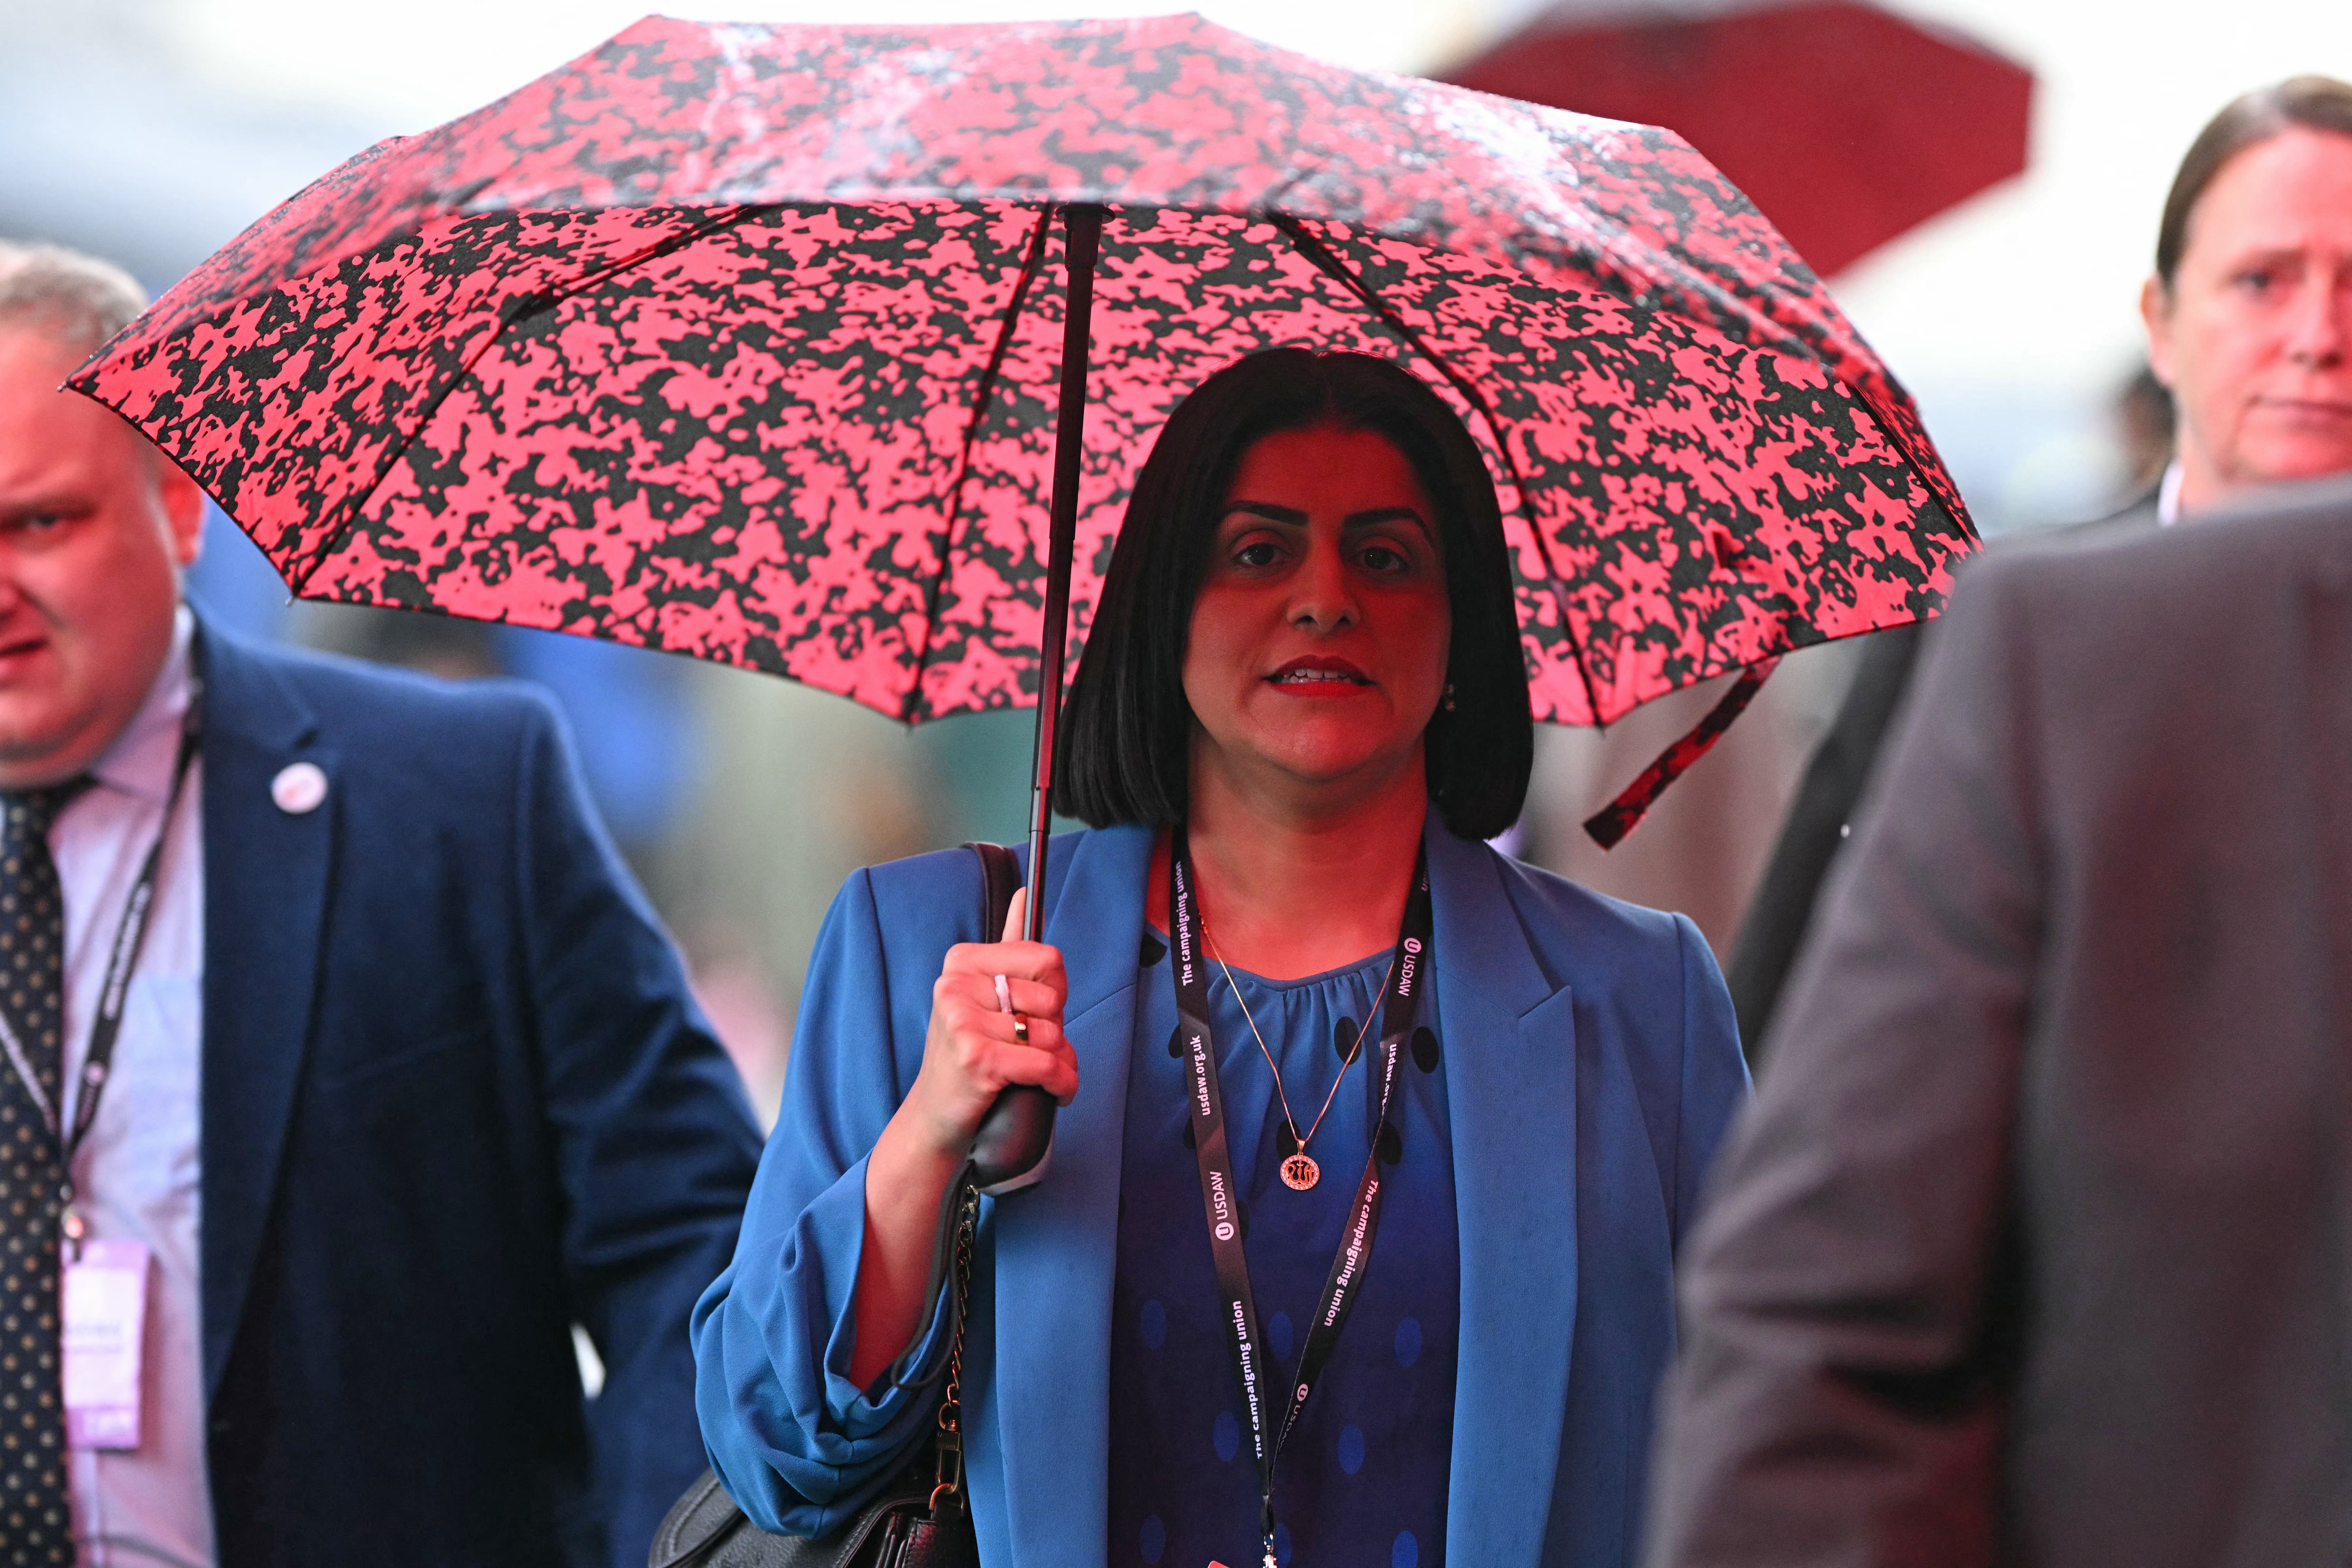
point(1221, 1196)
point(103, 1295)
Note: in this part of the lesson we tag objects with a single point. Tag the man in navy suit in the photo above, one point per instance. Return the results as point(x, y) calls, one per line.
point(345, 1069)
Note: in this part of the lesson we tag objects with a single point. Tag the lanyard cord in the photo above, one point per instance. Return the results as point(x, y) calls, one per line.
point(122, 960)
point(1219, 1193)
point(129, 940)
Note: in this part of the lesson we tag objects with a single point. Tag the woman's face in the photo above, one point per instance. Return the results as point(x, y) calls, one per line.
point(1318, 637)
point(2254, 336)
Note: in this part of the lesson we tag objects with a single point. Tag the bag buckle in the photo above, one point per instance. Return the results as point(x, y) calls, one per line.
point(950, 1462)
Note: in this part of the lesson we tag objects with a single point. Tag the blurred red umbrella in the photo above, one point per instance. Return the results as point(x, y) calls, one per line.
point(1845, 124)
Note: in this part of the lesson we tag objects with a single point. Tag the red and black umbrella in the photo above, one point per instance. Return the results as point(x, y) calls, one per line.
point(1845, 123)
point(771, 346)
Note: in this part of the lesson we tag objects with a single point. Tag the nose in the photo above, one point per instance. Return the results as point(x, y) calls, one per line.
point(1322, 599)
point(2320, 335)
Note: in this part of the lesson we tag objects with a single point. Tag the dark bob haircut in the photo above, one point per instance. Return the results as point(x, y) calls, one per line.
point(2303, 102)
point(1127, 728)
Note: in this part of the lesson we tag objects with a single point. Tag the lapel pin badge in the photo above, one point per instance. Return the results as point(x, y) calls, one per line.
point(298, 788)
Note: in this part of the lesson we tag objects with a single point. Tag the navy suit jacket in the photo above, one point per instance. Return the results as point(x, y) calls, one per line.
point(456, 1098)
point(1591, 1066)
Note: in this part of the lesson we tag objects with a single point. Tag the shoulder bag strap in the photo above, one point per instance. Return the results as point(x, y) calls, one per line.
point(1000, 876)
point(1000, 879)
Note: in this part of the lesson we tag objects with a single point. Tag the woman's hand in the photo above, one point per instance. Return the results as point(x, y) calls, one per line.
point(971, 1055)
point(973, 1052)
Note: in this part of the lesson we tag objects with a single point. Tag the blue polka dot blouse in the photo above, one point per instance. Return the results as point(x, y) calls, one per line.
point(1362, 1482)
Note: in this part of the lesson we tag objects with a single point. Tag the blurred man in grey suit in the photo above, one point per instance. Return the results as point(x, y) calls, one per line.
point(2034, 1248)
point(2249, 317)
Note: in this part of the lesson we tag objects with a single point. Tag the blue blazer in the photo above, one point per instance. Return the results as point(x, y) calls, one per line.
point(455, 1099)
point(1590, 1065)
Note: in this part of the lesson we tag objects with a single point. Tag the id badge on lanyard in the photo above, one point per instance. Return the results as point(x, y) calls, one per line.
point(105, 1302)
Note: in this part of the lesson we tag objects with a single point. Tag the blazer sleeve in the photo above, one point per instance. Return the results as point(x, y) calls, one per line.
point(654, 1140)
point(798, 1446)
point(1838, 1399)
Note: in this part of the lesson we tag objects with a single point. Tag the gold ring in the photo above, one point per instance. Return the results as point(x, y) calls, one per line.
point(1021, 1029)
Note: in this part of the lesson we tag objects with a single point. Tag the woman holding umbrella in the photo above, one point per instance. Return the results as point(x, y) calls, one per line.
point(1302, 709)
point(1204, 1336)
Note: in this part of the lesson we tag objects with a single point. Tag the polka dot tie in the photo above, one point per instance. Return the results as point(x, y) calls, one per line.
point(35, 1518)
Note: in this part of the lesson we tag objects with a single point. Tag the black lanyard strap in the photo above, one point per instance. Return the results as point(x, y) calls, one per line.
point(122, 961)
point(1221, 1195)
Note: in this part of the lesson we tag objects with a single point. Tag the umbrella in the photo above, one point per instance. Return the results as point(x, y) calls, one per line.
point(1847, 125)
point(831, 352)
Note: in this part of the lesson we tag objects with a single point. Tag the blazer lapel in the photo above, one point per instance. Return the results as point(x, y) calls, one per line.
point(1045, 1407)
point(1510, 1057)
point(265, 879)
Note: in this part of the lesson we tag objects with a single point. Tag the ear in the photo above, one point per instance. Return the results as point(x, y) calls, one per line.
point(184, 509)
point(2155, 315)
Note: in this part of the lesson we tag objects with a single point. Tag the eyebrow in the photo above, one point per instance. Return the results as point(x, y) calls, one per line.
point(1295, 518)
point(1268, 511)
point(45, 504)
point(2270, 252)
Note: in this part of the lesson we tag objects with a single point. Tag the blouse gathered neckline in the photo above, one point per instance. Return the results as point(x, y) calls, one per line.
point(1324, 977)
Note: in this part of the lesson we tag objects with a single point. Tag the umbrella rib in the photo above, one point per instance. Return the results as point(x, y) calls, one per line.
point(529, 305)
point(1955, 505)
point(981, 396)
point(1321, 255)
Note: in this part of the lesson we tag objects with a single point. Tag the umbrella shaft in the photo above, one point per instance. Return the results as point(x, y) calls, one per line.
point(1081, 232)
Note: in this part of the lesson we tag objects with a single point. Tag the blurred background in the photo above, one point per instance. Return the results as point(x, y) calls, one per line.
point(1978, 180)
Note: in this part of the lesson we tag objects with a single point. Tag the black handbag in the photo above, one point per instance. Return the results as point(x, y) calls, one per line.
point(922, 1518)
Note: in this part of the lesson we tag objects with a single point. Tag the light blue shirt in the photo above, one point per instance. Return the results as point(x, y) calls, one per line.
point(136, 1173)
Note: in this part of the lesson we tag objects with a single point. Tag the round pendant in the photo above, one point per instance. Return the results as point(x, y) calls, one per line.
point(1301, 1173)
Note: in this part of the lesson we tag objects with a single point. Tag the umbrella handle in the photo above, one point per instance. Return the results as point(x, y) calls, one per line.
point(1016, 1137)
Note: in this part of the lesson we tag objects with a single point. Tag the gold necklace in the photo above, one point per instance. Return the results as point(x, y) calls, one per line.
point(1300, 1172)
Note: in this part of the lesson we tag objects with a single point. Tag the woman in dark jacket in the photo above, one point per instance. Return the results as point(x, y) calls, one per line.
point(1303, 707)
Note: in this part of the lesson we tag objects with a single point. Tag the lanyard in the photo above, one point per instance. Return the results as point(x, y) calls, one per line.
point(129, 937)
point(1218, 1192)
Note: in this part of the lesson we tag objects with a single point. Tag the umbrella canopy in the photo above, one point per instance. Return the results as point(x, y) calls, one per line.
point(1846, 124)
point(743, 342)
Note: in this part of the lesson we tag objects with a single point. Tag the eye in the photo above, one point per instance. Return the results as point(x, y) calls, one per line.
point(2256, 279)
point(1385, 558)
point(1257, 552)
